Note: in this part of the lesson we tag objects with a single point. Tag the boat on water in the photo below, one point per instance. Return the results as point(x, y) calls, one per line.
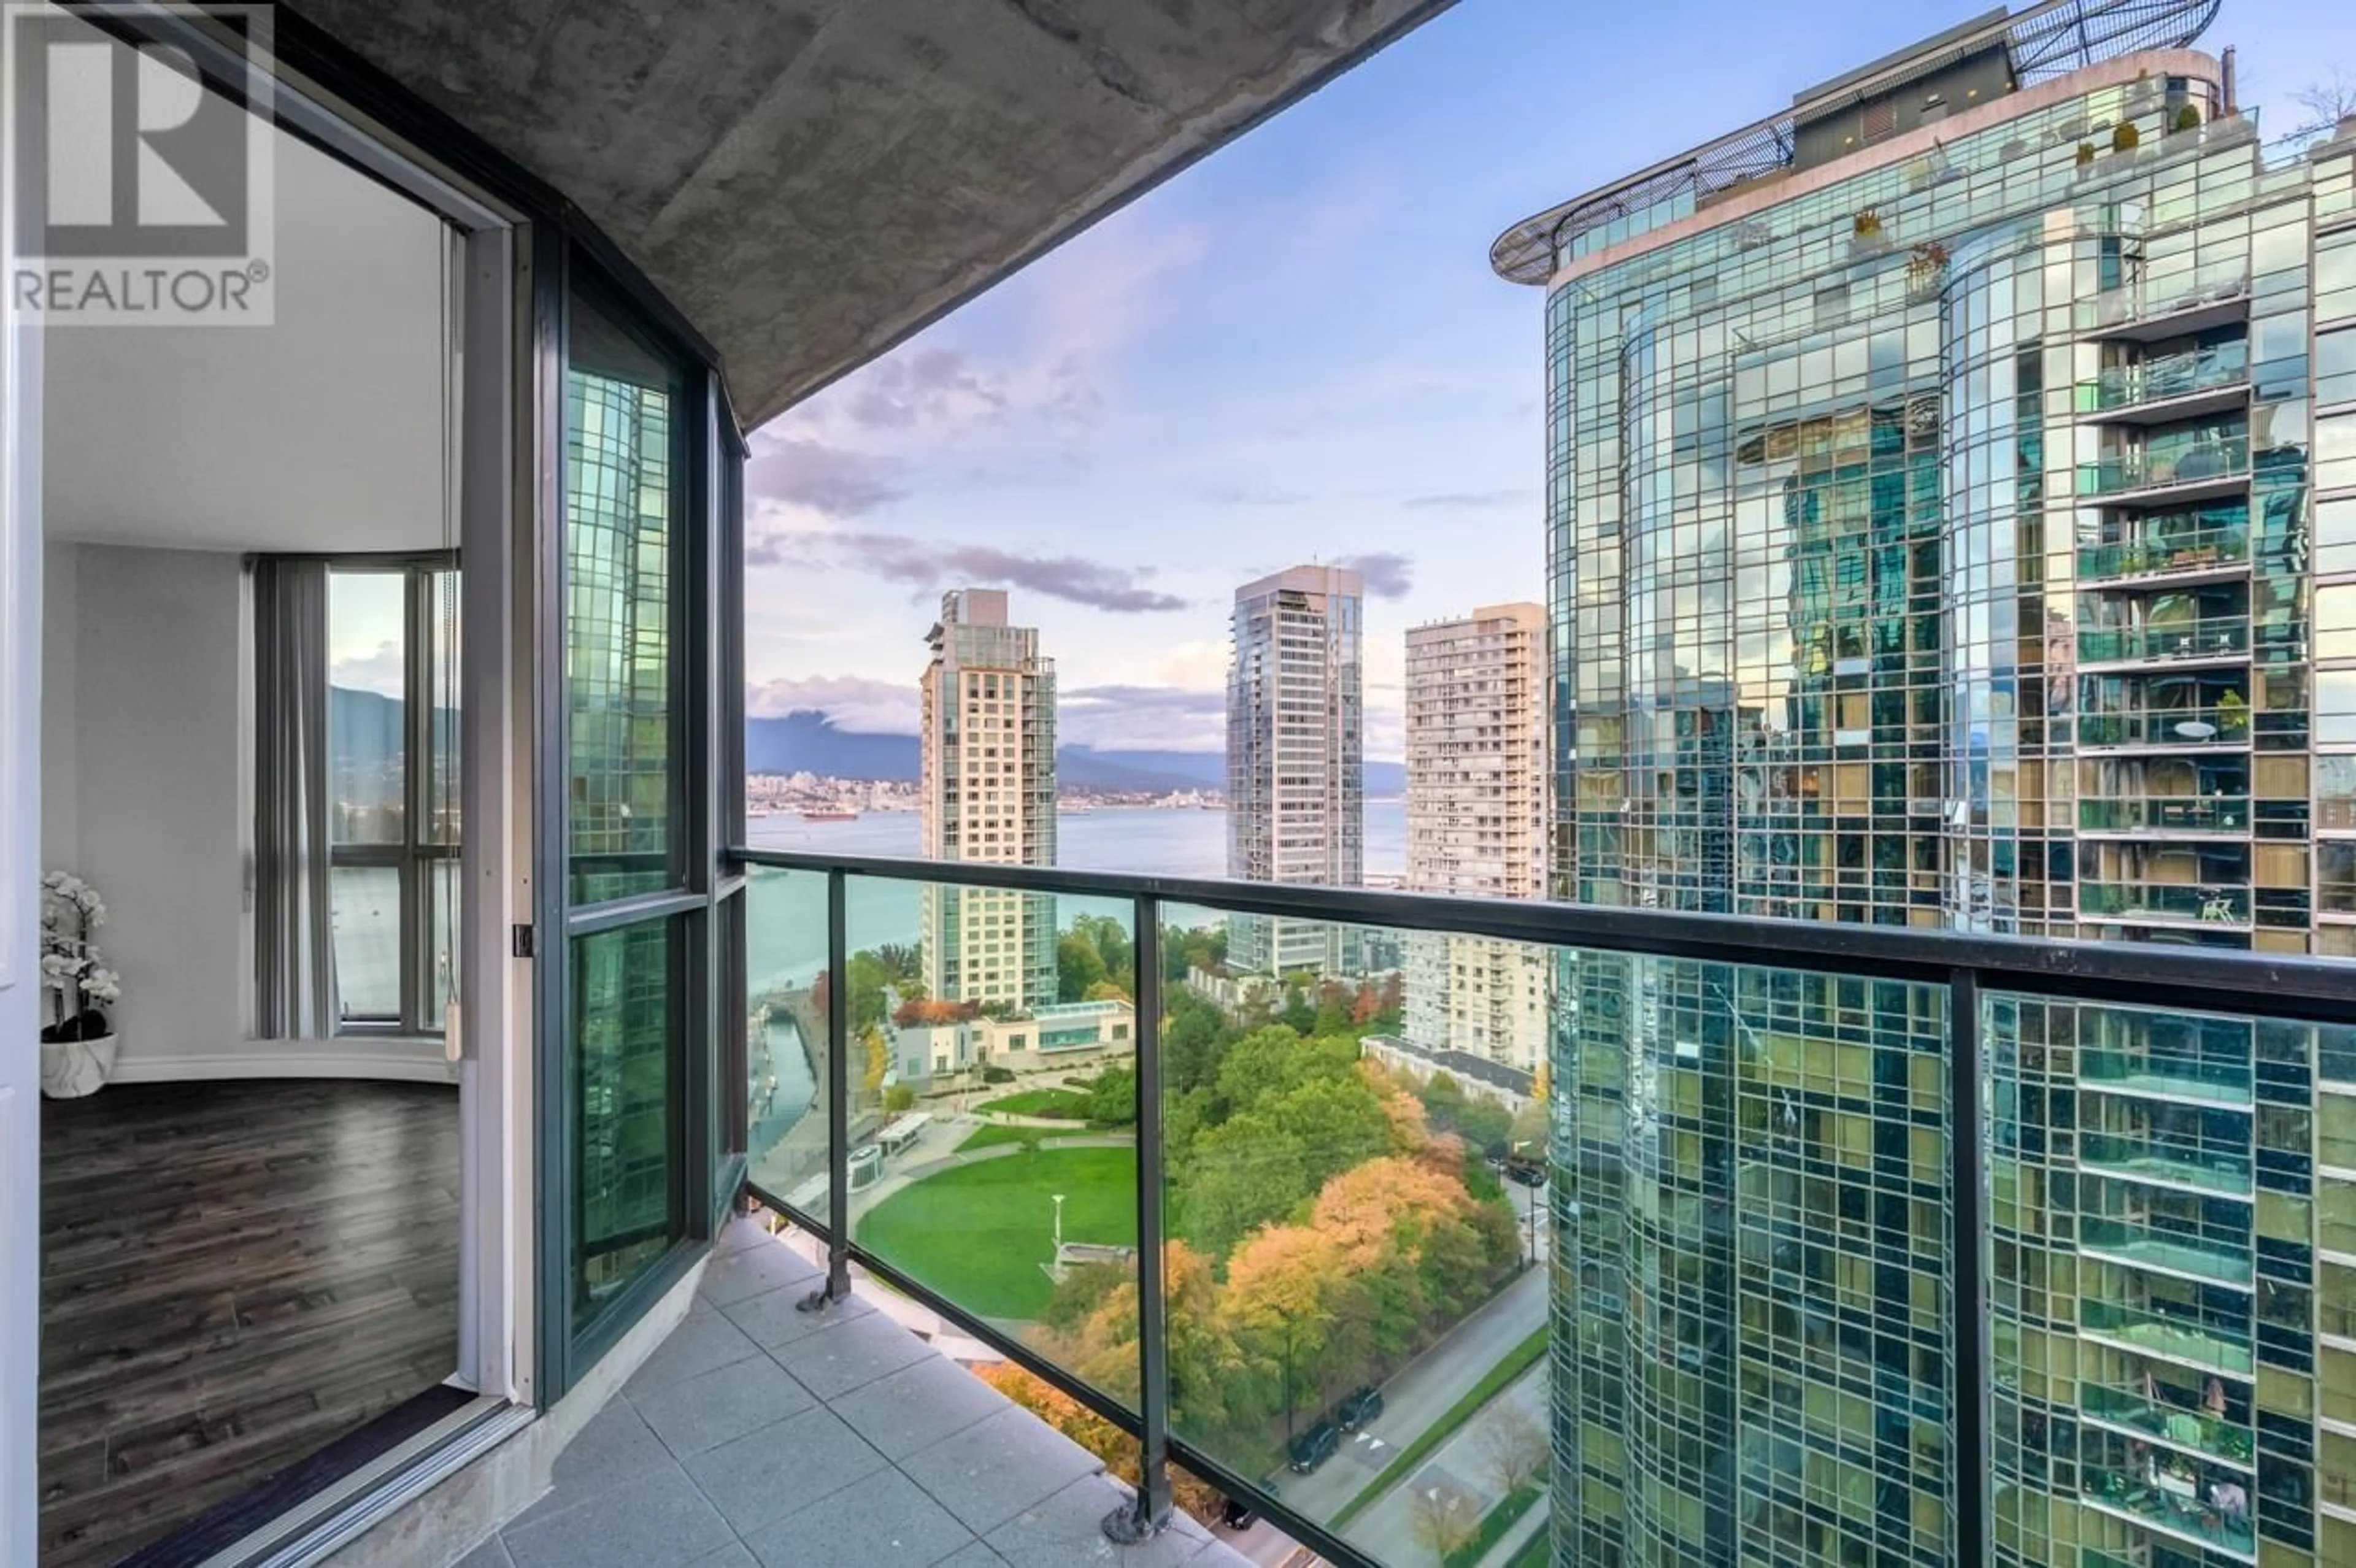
point(829, 816)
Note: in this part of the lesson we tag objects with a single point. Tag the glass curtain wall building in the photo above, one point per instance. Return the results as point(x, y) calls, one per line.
point(1949, 490)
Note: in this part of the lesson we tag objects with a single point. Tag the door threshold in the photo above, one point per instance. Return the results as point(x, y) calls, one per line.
point(329, 1499)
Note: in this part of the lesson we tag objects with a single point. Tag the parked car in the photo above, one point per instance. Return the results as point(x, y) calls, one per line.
point(1315, 1446)
point(1529, 1173)
point(1237, 1514)
point(1359, 1408)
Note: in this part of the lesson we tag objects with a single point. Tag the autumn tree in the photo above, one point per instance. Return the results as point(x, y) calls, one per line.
point(1100, 1437)
point(1514, 1444)
point(1442, 1519)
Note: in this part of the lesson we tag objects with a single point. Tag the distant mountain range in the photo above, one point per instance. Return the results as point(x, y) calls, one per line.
point(809, 742)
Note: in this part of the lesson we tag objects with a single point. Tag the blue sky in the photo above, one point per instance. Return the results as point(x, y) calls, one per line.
point(1293, 351)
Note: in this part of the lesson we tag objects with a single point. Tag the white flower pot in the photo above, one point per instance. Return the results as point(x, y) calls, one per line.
point(73, 1067)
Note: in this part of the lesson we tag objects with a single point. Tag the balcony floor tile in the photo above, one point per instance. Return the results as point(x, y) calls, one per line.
point(613, 1450)
point(918, 1406)
point(766, 1474)
point(748, 1272)
point(704, 1412)
point(849, 1355)
point(776, 1317)
point(885, 1520)
point(658, 1521)
point(705, 1342)
point(994, 1470)
point(1066, 1531)
point(760, 1435)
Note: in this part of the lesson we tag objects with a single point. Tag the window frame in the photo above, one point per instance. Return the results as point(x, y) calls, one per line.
point(415, 858)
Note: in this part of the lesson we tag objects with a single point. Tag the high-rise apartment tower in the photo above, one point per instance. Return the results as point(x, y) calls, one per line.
point(988, 760)
point(1296, 758)
point(1477, 794)
point(1952, 519)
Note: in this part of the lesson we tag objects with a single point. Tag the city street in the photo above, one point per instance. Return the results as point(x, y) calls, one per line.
point(1419, 1396)
point(1462, 1465)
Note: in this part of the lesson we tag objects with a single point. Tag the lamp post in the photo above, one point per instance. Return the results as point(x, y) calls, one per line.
point(1529, 1207)
point(1288, 1386)
point(1059, 1227)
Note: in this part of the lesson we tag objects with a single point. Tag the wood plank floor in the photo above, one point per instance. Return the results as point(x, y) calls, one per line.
point(232, 1275)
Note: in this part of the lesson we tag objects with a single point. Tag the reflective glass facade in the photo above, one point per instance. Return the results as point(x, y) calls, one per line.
point(1949, 532)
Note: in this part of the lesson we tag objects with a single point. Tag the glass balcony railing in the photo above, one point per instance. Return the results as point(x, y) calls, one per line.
point(2133, 1242)
point(2166, 814)
point(2224, 724)
point(2132, 470)
point(2174, 902)
point(2191, 1430)
point(2218, 1170)
point(2177, 1337)
point(2166, 376)
point(2217, 1515)
point(2183, 541)
point(2158, 299)
point(2204, 637)
point(1202, 1170)
point(2217, 1080)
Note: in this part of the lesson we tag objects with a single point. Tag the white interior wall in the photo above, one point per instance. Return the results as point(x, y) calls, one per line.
point(168, 454)
point(148, 731)
point(60, 815)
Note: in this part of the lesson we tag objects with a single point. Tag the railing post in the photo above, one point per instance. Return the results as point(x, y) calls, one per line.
point(1967, 1198)
point(837, 1100)
point(1152, 1510)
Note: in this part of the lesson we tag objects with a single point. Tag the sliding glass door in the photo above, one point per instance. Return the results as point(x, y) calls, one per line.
point(627, 974)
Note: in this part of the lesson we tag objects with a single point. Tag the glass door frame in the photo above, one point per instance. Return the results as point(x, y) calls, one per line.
point(708, 452)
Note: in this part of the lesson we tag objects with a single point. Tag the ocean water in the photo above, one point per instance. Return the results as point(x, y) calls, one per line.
point(786, 928)
point(1166, 843)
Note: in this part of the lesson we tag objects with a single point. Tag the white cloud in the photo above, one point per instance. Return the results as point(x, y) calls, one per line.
point(382, 670)
point(853, 702)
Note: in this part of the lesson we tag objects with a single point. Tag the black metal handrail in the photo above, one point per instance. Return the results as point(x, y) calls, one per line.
point(2318, 990)
point(1963, 965)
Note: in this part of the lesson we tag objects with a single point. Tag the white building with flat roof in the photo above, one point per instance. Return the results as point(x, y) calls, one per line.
point(1476, 825)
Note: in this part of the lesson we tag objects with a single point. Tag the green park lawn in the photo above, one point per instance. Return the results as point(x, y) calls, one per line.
point(1066, 1102)
point(990, 1133)
point(978, 1233)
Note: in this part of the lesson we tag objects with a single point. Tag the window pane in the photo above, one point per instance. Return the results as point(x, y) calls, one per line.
point(368, 747)
point(443, 883)
point(626, 1131)
point(621, 503)
point(786, 1070)
point(368, 942)
point(442, 635)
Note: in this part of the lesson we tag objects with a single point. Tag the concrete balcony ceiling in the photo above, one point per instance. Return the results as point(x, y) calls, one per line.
point(812, 180)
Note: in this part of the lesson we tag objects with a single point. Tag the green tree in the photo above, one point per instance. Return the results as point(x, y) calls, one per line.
point(1112, 1097)
point(1196, 1035)
point(1079, 966)
point(1263, 1162)
point(1297, 1014)
point(870, 977)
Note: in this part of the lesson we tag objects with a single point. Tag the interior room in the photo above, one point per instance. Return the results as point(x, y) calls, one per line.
point(250, 1182)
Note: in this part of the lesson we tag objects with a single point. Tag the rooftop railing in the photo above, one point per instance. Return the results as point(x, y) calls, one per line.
point(1326, 1290)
